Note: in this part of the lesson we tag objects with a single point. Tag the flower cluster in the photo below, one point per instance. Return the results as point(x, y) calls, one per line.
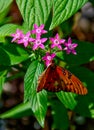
point(38, 42)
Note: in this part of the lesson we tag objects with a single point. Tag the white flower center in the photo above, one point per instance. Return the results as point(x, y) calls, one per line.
point(17, 35)
point(38, 30)
point(70, 47)
point(56, 41)
point(49, 58)
point(38, 41)
point(25, 39)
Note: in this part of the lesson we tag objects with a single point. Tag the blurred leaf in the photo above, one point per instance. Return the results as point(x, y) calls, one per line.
point(92, 1)
point(3, 72)
point(34, 11)
point(2, 80)
point(60, 116)
point(8, 29)
point(3, 17)
point(21, 110)
point(68, 99)
point(85, 104)
point(11, 54)
point(63, 9)
point(85, 53)
point(4, 4)
point(66, 27)
point(38, 100)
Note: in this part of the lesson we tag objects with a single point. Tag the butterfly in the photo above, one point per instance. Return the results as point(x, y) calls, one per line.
point(56, 78)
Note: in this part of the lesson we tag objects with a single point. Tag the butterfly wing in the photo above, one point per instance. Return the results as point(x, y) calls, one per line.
point(69, 82)
point(56, 78)
point(49, 80)
point(42, 79)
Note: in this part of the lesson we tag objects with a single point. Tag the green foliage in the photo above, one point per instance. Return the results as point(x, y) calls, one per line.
point(38, 100)
point(12, 54)
point(21, 110)
point(3, 73)
point(85, 105)
point(68, 99)
point(92, 1)
point(63, 9)
point(4, 4)
point(60, 121)
point(2, 79)
point(34, 11)
point(8, 29)
point(4, 9)
point(85, 53)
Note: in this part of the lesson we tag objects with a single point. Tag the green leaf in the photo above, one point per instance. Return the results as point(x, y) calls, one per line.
point(68, 99)
point(8, 29)
point(11, 54)
point(34, 11)
point(3, 72)
point(38, 100)
point(4, 4)
point(2, 80)
point(21, 110)
point(64, 9)
point(60, 115)
point(85, 104)
point(85, 53)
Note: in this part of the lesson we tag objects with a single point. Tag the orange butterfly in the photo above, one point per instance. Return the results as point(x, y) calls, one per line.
point(56, 78)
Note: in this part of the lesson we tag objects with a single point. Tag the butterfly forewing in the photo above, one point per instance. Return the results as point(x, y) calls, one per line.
point(72, 83)
point(56, 78)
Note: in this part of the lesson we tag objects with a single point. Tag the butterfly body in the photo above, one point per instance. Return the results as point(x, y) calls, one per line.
point(56, 78)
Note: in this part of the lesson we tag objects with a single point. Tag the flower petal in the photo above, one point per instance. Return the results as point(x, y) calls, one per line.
point(25, 44)
point(57, 36)
point(69, 40)
point(35, 46)
point(62, 40)
point(53, 55)
point(74, 45)
point(41, 26)
point(53, 45)
point(43, 40)
point(41, 46)
point(59, 46)
point(35, 26)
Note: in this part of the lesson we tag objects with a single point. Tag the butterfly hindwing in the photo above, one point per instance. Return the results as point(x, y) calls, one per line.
point(72, 83)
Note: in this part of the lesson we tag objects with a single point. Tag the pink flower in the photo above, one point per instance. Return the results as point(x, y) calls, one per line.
point(70, 47)
point(38, 43)
point(48, 58)
point(56, 42)
point(16, 36)
point(38, 30)
point(25, 39)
